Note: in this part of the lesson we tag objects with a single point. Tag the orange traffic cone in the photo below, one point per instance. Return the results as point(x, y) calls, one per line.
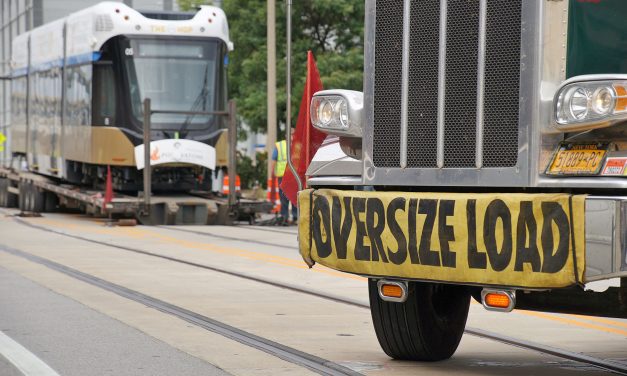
point(273, 194)
point(225, 185)
point(108, 197)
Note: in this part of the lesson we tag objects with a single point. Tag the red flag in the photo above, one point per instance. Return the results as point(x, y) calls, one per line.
point(306, 139)
point(108, 188)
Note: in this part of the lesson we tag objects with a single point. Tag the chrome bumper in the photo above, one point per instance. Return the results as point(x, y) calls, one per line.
point(606, 237)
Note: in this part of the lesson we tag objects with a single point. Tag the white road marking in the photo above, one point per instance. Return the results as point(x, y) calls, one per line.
point(25, 361)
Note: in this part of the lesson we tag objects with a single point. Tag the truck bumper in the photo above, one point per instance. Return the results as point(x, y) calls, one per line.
point(606, 237)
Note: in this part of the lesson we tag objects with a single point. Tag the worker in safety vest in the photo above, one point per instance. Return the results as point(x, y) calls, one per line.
point(279, 164)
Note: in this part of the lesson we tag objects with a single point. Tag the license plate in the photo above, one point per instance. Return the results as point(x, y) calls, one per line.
point(578, 159)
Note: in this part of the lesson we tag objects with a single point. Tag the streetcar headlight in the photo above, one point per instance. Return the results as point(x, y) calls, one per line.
point(583, 103)
point(338, 112)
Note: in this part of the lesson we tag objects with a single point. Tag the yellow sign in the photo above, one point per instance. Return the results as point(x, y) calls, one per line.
point(517, 240)
point(3, 139)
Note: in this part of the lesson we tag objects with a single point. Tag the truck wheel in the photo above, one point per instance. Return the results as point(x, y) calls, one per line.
point(22, 199)
point(427, 326)
point(11, 198)
point(51, 201)
point(4, 192)
point(38, 199)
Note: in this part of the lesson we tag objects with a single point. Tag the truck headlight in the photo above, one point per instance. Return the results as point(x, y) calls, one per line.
point(338, 112)
point(582, 104)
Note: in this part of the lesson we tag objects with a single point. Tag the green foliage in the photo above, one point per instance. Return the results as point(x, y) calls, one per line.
point(190, 5)
point(332, 29)
point(250, 174)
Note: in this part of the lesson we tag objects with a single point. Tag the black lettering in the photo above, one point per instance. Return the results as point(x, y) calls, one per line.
point(321, 227)
point(427, 255)
point(341, 230)
point(413, 231)
point(498, 259)
point(400, 255)
point(476, 259)
point(446, 233)
point(362, 252)
point(375, 212)
point(553, 213)
point(525, 254)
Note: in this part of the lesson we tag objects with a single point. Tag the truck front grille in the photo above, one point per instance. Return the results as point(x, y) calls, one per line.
point(462, 82)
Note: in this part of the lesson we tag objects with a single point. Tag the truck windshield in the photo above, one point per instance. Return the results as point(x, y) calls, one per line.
point(177, 75)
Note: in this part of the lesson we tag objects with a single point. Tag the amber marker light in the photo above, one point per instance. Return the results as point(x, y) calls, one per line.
point(392, 291)
point(498, 300)
point(621, 98)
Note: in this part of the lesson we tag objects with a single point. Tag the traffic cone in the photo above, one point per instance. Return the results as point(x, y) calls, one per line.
point(108, 197)
point(273, 194)
point(225, 185)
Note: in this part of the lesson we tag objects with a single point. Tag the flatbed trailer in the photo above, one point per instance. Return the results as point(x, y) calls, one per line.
point(33, 193)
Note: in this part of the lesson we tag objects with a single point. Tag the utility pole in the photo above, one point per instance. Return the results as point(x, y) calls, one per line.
point(272, 118)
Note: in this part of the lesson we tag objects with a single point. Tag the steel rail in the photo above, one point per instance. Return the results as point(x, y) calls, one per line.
point(289, 354)
point(529, 345)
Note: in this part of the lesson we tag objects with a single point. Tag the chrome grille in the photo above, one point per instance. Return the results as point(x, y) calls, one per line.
point(480, 58)
point(423, 105)
point(387, 81)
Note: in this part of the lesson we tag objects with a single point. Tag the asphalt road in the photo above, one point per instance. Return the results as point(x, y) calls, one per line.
point(76, 340)
point(80, 329)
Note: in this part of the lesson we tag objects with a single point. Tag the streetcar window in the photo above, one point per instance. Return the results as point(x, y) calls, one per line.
point(104, 94)
point(177, 75)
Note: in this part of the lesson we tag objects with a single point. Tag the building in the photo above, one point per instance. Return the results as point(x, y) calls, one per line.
point(19, 16)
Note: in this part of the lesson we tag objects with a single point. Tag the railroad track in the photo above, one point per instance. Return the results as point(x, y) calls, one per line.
point(224, 237)
point(311, 360)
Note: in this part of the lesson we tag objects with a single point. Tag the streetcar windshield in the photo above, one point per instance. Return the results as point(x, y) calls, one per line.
point(177, 75)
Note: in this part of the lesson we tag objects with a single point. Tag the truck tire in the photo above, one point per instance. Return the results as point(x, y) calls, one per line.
point(11, 198)
point(51, 201)
point(4, 192)
point(22, 199)
point(427, 326)
point(38, 199)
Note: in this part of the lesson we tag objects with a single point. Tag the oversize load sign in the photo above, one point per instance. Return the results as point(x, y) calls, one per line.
point(522, 240)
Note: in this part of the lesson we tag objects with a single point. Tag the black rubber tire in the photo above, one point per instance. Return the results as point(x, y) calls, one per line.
point(38, 199)
point(427, 326)
point(4, 192)
point(51, 202)
point(22, 196)
point(11, 198)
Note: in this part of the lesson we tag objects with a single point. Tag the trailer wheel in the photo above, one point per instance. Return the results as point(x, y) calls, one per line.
point(4, 192)
point(427, 326)
point(11, 198)
point(51, 201)
point(38, 199)
point(23, 201)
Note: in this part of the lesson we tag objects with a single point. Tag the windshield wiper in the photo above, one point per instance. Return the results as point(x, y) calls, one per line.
point(201, 98)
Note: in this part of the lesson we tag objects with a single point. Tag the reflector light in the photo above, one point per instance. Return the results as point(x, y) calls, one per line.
point(497, 300)
point(392, 291)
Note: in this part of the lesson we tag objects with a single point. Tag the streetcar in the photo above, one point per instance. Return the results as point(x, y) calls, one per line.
point(78, 89)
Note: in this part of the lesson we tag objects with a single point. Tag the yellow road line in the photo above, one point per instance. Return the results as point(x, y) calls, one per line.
point(140, 233)
point(602, 320)
point(574, 322)
point(257, 256)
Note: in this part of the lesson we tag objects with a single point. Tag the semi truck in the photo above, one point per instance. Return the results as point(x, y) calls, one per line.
point(484, 159)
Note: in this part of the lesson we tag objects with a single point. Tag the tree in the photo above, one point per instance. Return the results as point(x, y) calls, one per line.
point(332, 29)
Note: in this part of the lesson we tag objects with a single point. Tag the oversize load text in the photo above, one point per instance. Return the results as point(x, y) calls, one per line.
point(494, 235)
